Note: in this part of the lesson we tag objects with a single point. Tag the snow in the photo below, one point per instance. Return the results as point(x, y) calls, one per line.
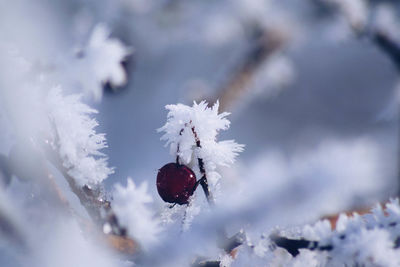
point(182, 120)
point(131, 205)
point(367, 240)
point(101, 62)
point(77, 142)
point(285, 181)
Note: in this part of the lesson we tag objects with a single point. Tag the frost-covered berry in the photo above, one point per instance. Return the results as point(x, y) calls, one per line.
point(175, 183)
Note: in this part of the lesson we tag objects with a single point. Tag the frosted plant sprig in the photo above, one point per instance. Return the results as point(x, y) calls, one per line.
point(191, 133)
point(203, 180)
point(130, 204)
point(78, 144)
point(102, 57)
point(367, 240)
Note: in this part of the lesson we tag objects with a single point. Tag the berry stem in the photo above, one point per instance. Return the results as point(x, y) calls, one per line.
point(178, 148)
point(203, 180)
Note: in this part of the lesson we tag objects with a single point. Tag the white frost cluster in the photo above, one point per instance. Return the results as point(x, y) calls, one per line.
point(101, 62)
point(130, 204)
point(206, 122)
point(356, 11)
point(368, 240)
point(78, 143)
point(358, 240)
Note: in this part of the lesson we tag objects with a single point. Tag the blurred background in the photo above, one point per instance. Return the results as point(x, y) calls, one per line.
point(297, 78)
point(312, 88)
point(303, 86)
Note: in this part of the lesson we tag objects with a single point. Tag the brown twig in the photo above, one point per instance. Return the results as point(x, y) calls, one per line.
point(86, 196)
point(123, 244)
point(265, 43)
point(98, 208)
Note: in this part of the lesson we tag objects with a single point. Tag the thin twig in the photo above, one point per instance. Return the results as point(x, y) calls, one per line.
point(203, 180)
point(91, 199)
point(98, 208)
point(293, 245)
point(265, 43)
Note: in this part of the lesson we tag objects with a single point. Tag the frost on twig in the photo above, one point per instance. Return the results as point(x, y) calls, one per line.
point(74, 150)
point(368, 240)
point(100, 62)
point(76, 140)
point(382, 30)
point(97, 206)
point(130, 205)
point(191, 133)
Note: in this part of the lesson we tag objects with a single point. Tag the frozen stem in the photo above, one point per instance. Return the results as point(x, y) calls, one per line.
point(203, 180)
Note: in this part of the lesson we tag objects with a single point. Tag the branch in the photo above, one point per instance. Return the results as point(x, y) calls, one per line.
point(203, 180)
point(89, 199)
point(122, 244)
point(229, 244)
point(265, 43)
point(293, 245)
point(205, 263)
point(388, 45)
point(98, 208)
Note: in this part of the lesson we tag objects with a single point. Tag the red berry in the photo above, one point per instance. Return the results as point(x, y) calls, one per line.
point(175, 183)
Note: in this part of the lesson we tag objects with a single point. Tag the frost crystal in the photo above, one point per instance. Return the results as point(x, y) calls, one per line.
point(130, 205)
point(77, 141)
point(101, 61)
point(368, 240)
point(184, 122)
point(225, 260)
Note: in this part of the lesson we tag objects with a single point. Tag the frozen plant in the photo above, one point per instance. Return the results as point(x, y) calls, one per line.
point(358, 240)
point(191, 133)
point(100, 61)
point(131, 207)
point(77, 142)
